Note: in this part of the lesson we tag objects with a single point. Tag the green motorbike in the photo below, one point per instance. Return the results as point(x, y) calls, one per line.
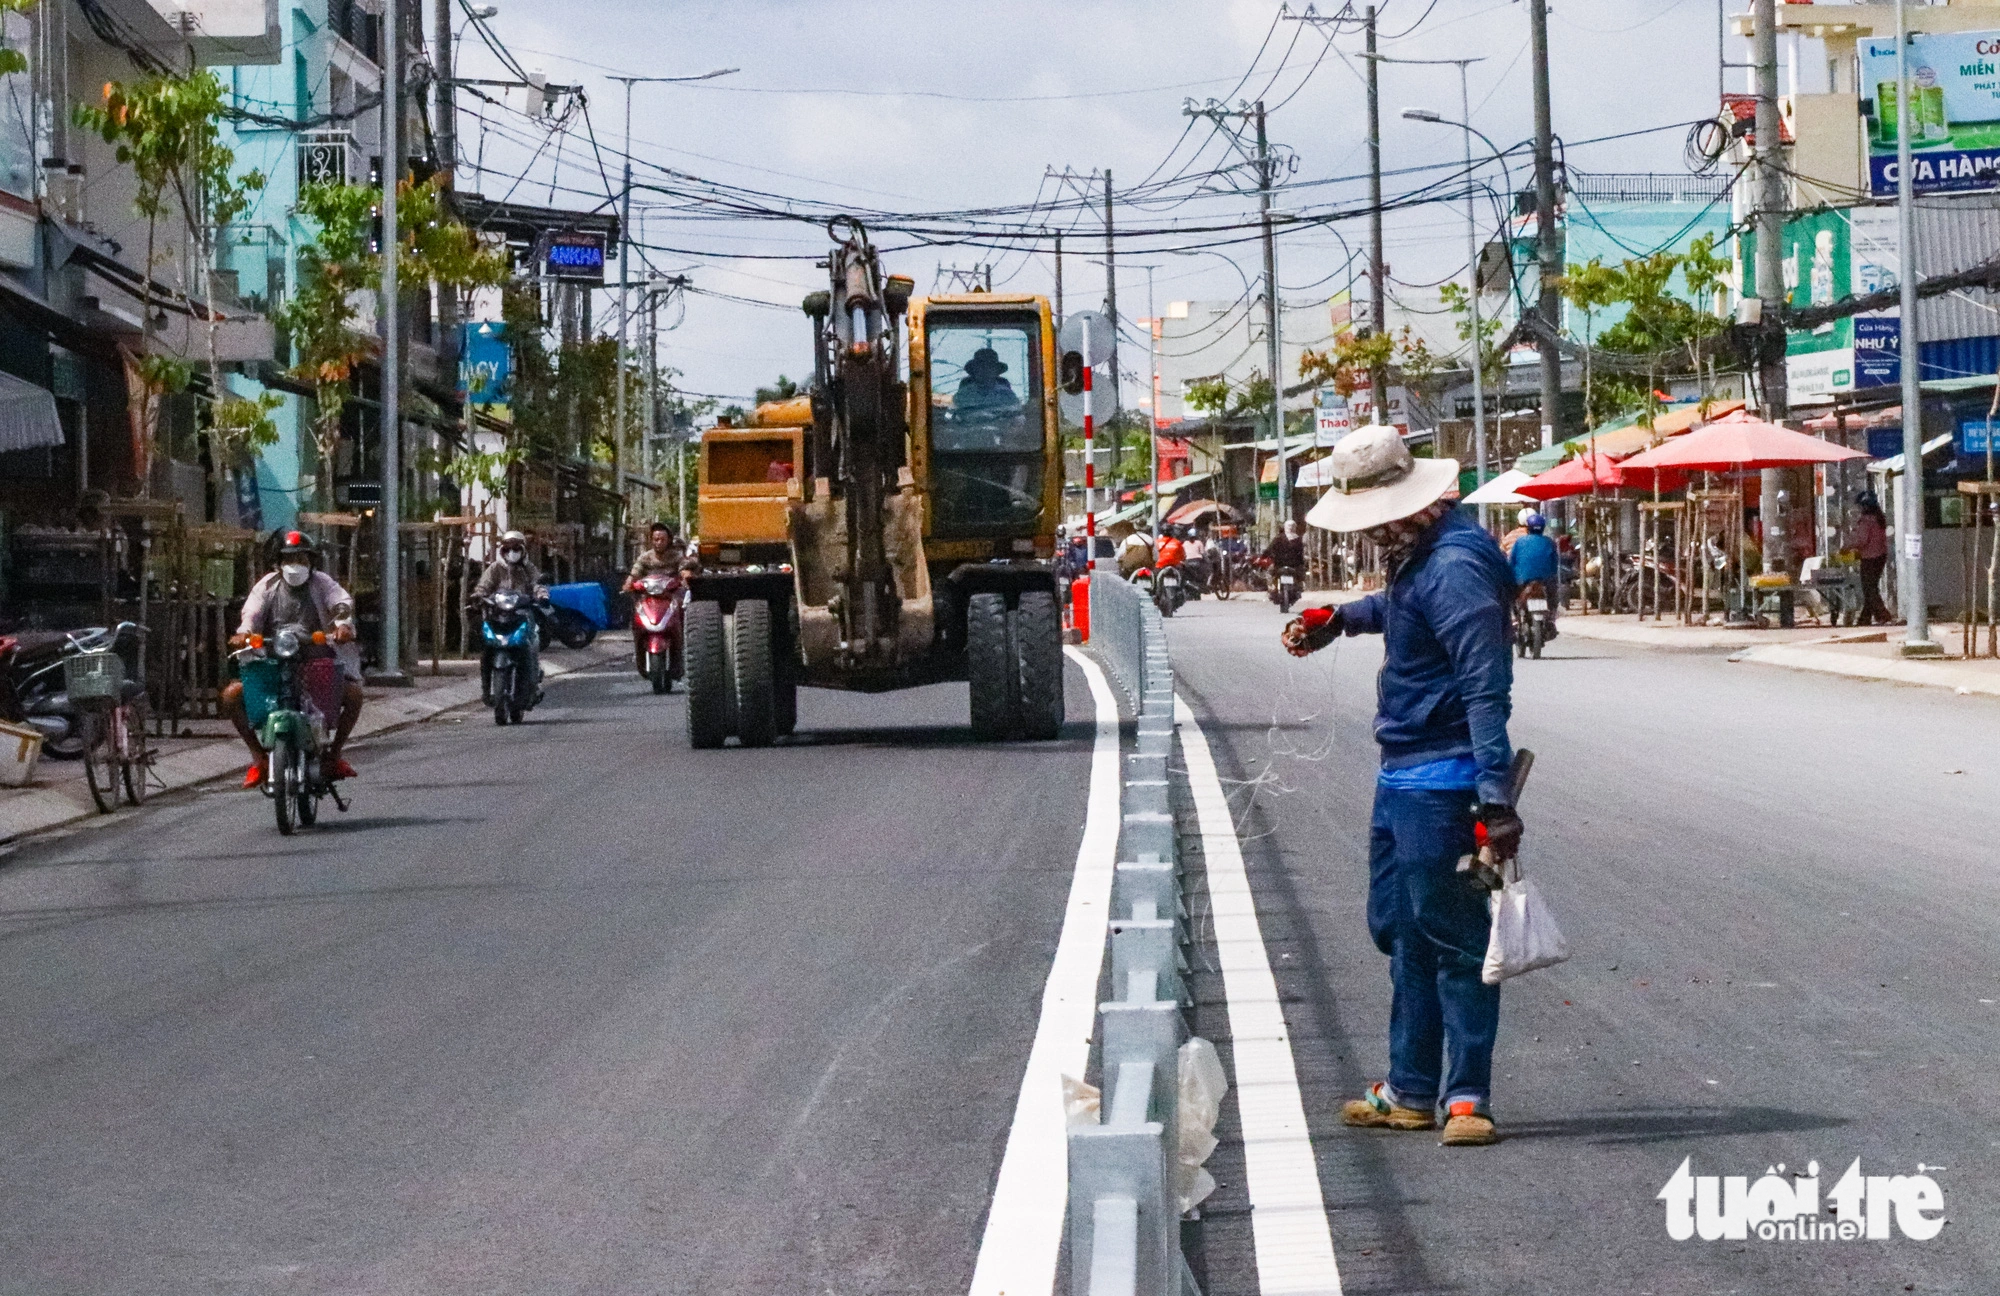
point(290, 696)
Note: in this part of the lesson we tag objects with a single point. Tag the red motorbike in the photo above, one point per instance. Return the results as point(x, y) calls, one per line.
point(656, 625)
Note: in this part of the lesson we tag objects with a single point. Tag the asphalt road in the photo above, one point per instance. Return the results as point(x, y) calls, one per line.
point(1782, 898)
point(559, 1009)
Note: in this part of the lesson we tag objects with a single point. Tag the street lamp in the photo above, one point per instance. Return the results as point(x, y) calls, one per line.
point(624, 276)
point(1472, 265)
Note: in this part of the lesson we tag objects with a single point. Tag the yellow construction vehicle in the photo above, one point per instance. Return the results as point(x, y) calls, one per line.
point(879, 533)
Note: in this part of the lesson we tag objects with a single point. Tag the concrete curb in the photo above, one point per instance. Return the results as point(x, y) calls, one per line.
point(1893, 670)
point(32, 810)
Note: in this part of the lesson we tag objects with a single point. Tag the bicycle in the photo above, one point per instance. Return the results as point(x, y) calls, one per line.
point(1221, 573)
point(115, 751)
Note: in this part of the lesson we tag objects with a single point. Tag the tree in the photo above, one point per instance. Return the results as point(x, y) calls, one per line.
point(320, 316)
point(166, 129)
point(782, 390)
point(1664, 330)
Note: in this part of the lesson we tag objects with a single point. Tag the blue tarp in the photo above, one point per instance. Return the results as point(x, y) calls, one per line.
point(586, 599)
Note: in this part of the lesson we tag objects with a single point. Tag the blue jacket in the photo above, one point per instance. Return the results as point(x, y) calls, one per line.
point(1447, 681)
point(1534, 559)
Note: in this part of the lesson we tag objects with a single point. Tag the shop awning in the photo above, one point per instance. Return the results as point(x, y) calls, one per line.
point(27, 415)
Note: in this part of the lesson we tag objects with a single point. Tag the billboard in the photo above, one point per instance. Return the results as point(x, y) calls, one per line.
point(1829, 255)
point(1954, 111)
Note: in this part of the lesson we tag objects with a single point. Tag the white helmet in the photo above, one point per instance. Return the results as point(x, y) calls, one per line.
point(1521, 518)
point(513, 547)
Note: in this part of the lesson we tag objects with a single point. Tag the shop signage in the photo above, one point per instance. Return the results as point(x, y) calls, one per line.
point(1954, 111)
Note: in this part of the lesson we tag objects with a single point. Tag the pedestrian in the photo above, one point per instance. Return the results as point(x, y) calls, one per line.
point(1871, 543)
point(1443, 700)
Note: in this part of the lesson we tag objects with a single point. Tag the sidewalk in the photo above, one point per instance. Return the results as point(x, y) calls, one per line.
point(202, 750)
point(1858, 653)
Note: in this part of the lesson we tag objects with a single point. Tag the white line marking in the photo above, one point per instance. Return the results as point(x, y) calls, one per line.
point(1294, 1246)
point(1017, 1256)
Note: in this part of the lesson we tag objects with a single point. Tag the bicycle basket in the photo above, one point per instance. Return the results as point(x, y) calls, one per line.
point(263, 680)
point(94, 676)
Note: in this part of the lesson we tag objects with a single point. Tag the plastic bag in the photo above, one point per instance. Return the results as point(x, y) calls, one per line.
point(1202, 1086)
point(1081, 1102)
point(1524, 935)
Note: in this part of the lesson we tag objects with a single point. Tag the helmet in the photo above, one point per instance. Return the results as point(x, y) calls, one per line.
point(1521, 518)
point(295, 542)
point(513, 542)
point(1534, 522)
point(1866, 499)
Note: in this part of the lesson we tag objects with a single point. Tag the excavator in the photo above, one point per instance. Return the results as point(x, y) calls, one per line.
point(883, 532)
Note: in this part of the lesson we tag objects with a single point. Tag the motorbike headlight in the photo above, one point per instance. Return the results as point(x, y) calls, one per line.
point(287, 643)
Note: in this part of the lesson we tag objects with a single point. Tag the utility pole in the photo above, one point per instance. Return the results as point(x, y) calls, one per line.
point(389, 513)
point(1059, 301)
point(1917, 640)
point(1770, 215)
point(1111, 312)
point(1548, 249)
point(1274, 347)
point(621, 525)
point(1378, 273)
point(445, 105)
point(1153, 421)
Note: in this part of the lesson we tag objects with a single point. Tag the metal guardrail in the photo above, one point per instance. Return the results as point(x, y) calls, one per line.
point(1124, 1217)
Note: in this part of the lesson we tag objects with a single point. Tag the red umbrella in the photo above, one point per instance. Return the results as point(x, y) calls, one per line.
point(1580, 475)
point(1741, 442)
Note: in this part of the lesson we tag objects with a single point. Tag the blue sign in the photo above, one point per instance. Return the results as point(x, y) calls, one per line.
point(575, 256)
point(1885, 443)
point(1973, 437)
point(1878, 351)
point(485, 363)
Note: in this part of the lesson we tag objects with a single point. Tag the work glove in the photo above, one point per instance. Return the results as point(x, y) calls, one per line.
point(1310, 631)
point(1499, 830)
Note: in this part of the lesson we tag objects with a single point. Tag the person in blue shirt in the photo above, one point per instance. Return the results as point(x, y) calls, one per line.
point(1534, 558)
point(1443, 700)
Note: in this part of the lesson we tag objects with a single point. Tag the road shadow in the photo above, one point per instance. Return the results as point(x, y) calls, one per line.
point(1645, 1125)
point(935, 736)
point(338, 822)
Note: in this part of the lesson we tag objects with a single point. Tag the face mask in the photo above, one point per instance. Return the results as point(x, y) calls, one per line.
point(513, 556)
point(295, 574)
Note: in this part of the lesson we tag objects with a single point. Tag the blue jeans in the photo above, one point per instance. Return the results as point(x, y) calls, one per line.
point(1432, 922)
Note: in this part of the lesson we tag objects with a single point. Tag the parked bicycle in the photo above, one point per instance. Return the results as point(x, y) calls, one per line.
point(112, 713)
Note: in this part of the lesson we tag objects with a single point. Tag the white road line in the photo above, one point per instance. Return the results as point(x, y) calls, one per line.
point(1017, 1256)
point(1294, 1246)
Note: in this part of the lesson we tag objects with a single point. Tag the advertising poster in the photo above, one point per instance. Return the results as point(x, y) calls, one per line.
point(1954, 111)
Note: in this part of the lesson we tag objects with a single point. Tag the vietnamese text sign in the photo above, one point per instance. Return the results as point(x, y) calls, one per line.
point(1954, 111)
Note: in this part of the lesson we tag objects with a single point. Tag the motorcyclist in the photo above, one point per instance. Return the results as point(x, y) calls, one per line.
point(297, 593)
point(511, 572)
point(1286, 554)
point(1172, 552)
point(661, 557)
point(1534, 558)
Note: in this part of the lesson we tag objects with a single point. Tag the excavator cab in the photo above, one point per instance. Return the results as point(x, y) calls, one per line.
point(985, 411)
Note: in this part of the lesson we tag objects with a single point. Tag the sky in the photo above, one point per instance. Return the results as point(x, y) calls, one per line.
point(941, 107)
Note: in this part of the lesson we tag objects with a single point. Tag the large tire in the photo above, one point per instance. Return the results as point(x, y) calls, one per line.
point(282, 796)
point(990, 666)
point(756, 680)
point(1038, 657)
point(708, 680)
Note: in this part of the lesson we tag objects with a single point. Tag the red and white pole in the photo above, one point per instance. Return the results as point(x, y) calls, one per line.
point(1089, 457)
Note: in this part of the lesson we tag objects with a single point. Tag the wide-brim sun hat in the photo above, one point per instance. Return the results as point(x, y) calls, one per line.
point(1374, 479)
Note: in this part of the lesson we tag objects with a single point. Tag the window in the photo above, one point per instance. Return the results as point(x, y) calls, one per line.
point(986, 426)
